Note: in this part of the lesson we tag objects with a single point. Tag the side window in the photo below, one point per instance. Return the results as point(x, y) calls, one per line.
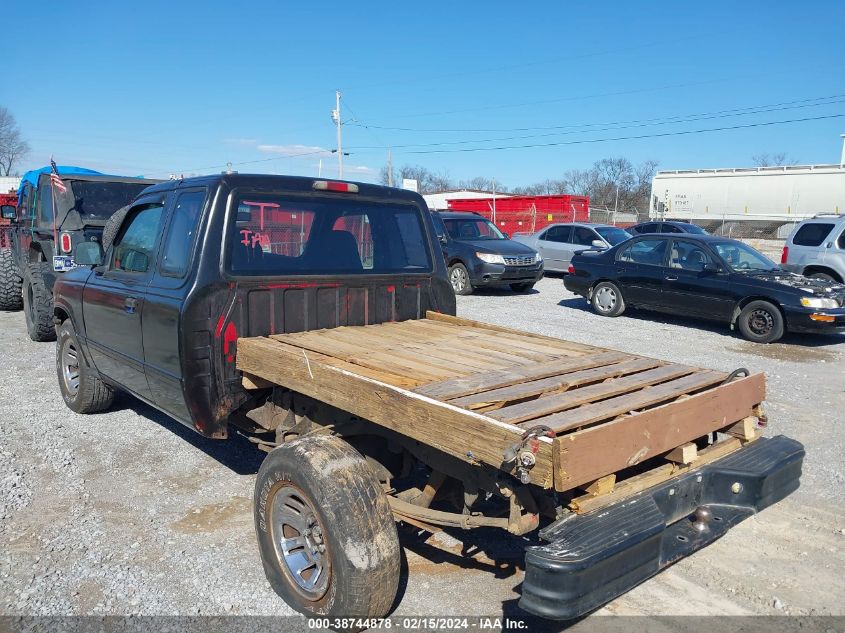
point(649, 227)
point(583, 236)
point(439, 227)
point(840, 243)
point(45, 203)
point(133, 251)
point(647, 252)
point(181, 234)
point(688, 256)
point(812, 234)
point(668, 228)
point(559, 234)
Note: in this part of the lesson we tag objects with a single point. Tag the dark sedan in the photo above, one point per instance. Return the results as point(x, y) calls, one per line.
point(666, 226)
point(709, 277)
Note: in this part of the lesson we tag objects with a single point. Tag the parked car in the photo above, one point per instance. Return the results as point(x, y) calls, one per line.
point(816, 248)
point(480, 256)
point(710, 277)
point(73, 211)
point(557, 243)
point(666, 227)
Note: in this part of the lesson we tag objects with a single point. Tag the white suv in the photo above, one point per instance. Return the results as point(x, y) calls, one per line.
point(816, 248)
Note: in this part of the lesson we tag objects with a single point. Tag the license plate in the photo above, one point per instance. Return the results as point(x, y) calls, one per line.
point(62, 263)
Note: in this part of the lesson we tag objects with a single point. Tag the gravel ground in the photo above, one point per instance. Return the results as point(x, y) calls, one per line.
point(128, 512)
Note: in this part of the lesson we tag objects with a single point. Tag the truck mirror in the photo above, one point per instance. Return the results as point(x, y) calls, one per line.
point(9, 212)
point(88, 254)
point(442, 238)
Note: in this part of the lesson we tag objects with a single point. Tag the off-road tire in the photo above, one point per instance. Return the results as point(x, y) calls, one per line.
point(459, 279)
point(761, 322)
point(606, 299)
point(38, 303)
point(357, 527)
point(112, 226)
point(92, 394)
point(525, 287)
point(10, 282)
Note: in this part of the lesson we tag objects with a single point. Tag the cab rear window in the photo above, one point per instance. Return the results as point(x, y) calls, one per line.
point(812, 234)
point(274, 235)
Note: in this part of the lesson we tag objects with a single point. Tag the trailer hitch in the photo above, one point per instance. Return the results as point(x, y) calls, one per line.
point(524, 452)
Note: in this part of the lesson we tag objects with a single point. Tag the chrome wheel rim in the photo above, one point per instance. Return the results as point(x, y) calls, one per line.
point(760, 322)
point(70, 367)
point(606, 298)
point(299, 542)
point(458, 278)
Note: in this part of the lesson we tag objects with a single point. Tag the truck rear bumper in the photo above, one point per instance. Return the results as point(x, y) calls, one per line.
point(592, 558)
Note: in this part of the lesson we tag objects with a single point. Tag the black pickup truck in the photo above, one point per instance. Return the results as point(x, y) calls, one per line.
point(317, 319)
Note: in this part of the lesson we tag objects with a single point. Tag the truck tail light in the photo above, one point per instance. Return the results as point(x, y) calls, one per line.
point(784, 255)
point(331, 185)
point(571, 269)
point(65, 243)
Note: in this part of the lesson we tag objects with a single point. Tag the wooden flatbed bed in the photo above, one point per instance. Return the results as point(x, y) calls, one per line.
point(472, 390)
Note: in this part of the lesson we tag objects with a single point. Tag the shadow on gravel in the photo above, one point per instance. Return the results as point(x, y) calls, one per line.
point(236, 453)
point(789, 339)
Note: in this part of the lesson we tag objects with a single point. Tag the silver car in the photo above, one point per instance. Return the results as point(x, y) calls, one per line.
point(816, 248)
point(557, 243)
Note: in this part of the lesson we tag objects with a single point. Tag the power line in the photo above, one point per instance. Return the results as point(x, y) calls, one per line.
point(626, 138)
point(654, 122)
point(247, 162)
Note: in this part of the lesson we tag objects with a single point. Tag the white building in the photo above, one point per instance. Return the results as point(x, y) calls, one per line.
point(9, 184)
point(440, 201)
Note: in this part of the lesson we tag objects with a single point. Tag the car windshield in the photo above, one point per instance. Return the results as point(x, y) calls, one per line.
point(472, 229)
point(99, 200)
point(742, 258)
point(613, 235)
point(273, 235)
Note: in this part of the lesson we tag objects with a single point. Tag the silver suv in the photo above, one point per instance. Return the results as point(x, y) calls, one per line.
point(816, 248)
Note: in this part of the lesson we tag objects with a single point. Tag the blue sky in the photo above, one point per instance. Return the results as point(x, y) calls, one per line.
point(186, 87)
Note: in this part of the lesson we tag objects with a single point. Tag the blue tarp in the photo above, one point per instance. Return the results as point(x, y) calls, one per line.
point(32, 176)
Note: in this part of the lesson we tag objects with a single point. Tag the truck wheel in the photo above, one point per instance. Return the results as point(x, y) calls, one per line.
point(10, 282)
point(81, 387)
point(325, 532)
point(607, 299)
point(522, 287)
point(459, 278)
point(760, 322)
point(38, 303)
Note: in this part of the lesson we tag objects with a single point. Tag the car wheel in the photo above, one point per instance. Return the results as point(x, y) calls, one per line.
point(522, 287)
point(38, 303)
point(326, 534)
point(459, 278)
point(82, 389)
point(607, 299)
point(761, 322)
point(823, 276)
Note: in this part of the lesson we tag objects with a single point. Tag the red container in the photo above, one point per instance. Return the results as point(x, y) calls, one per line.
point(527, 214)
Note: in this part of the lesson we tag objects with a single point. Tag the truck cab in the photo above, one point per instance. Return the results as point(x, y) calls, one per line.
point(160, 312)
point(52, 219)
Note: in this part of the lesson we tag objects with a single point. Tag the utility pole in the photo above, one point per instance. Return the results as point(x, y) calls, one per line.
point(336, 119)
point(320, 169)
point(494, 201)
point(842, 158)
point(389, 167)
point(615, 205)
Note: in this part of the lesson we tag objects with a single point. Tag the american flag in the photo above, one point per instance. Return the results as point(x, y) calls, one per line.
point(55, 180)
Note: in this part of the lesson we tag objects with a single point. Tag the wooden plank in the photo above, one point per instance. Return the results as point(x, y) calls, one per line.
point(683, 454)
point(445, 318)
point(315, 341)
point(601, 486)
point(479, 382)
point(465, 435)
point(607, 448)
point(254, 382)
point(568, 420)
point(549, 389)
point(745, 429)
point(638, 483)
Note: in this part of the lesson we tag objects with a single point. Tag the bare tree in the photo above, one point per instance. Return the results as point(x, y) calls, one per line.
point(12, 145)
point(777, 159)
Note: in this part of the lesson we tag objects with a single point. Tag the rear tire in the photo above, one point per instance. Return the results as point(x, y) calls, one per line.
point(459, 278)
point(82, 389)
point(607, 300)
point(824, 276)
point(522, 287)
point(325, 531)
point(38, 303)
point(10, 282)
point(761, 322)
